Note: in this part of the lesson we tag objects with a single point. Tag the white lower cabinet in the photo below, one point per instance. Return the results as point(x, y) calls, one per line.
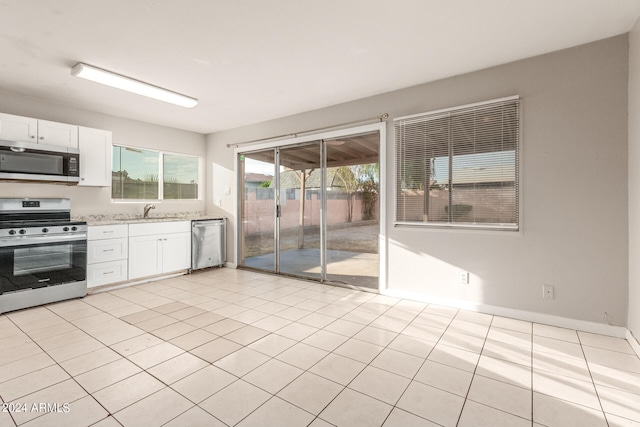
point(159, 247)
point(107, 253)
point(176, 251)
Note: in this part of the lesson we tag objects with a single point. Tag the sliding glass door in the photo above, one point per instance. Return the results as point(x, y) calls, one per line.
point(353, 214)
point(300, 222)
point(311, 210)
point(258, 209)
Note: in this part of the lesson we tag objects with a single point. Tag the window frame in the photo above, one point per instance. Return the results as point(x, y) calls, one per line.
point(161, 198)
point(451, 225)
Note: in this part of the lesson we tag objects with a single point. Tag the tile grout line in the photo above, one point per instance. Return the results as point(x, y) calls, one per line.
point(393, 406)
point(604, 414)
point(328, 353)
point(307, 370)
point(184, 351)
point(274, 298)
point(421, 365)
point(58, 364)
point(270, 358)
point(475, 369)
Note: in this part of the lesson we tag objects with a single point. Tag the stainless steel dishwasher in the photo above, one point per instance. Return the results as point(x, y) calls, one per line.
point(208, 243)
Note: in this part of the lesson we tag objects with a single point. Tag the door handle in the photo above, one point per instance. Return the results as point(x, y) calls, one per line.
point(278, 211)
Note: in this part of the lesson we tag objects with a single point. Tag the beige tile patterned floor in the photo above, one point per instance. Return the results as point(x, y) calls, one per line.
point(229, 347)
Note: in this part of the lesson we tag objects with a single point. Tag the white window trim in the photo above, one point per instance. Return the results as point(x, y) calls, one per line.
point(382, 236)
point(517, 227)
point(160, 199)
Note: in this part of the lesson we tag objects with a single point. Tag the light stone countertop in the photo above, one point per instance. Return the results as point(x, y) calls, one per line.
point(136, 219)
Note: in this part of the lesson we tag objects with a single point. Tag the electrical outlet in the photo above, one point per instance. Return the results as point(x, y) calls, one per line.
point(547, 291)
point(464, 277)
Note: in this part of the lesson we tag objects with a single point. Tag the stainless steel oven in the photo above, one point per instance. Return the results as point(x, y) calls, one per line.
point(43, 254)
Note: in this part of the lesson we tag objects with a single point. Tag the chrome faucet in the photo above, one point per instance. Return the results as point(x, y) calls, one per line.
point(147, 208)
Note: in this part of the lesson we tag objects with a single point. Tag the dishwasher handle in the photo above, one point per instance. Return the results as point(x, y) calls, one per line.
point(206, 222)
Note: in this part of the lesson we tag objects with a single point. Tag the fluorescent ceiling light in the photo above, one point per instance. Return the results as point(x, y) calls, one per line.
point(125, 83)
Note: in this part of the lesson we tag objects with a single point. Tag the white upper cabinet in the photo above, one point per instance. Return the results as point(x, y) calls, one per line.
point(18, 128)
point(54, 133)
point(27, 129)
point(95, 157)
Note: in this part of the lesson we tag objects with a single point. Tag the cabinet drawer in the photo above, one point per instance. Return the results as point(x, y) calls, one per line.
point(98, 232)
point(106, 272)
point(107, 250)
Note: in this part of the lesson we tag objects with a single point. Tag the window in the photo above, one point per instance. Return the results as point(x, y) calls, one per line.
point(141, 174)
point(459, 167)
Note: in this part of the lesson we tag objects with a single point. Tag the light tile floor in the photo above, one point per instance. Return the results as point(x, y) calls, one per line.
point(231, 347)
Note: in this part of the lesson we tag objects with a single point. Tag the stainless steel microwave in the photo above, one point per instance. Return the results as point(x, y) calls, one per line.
point(22, 161)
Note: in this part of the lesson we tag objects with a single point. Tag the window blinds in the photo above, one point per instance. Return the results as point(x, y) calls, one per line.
point(459, 167)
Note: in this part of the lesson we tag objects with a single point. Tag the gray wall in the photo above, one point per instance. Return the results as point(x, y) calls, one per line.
point(574, 212)
point(634, 181)
point(97, 200)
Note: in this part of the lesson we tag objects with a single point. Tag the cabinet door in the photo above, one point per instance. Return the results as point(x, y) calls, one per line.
point(95, 157)
point(176, 252)
point(54, 133)
point(145, 256)
point(18, 128)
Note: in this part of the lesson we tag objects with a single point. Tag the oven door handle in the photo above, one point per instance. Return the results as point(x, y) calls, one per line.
point(35, 240)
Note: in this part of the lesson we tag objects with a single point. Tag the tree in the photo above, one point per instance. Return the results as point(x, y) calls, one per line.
point(367, 176)
point(361, 179)
point(349, 185)
point(302, 176)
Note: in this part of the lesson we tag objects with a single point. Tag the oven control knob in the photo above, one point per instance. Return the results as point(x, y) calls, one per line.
point(65, 229)
point(45, 230)
point(74, 228)
point(23, 231)
point(12, 232)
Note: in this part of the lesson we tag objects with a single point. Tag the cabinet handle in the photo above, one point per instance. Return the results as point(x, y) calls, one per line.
point(33, 136)
point(108, 231)
point(107, 272)
point(42, 137)
point(107, 250)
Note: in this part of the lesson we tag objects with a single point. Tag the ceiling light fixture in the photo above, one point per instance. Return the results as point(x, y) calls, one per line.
point(125, 83)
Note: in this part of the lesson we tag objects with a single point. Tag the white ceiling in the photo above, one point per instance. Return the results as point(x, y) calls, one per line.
point(249, 61)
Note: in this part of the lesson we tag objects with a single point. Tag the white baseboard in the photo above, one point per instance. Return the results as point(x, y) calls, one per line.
point(115, 287)
point(547, 319)
point(635, 345)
